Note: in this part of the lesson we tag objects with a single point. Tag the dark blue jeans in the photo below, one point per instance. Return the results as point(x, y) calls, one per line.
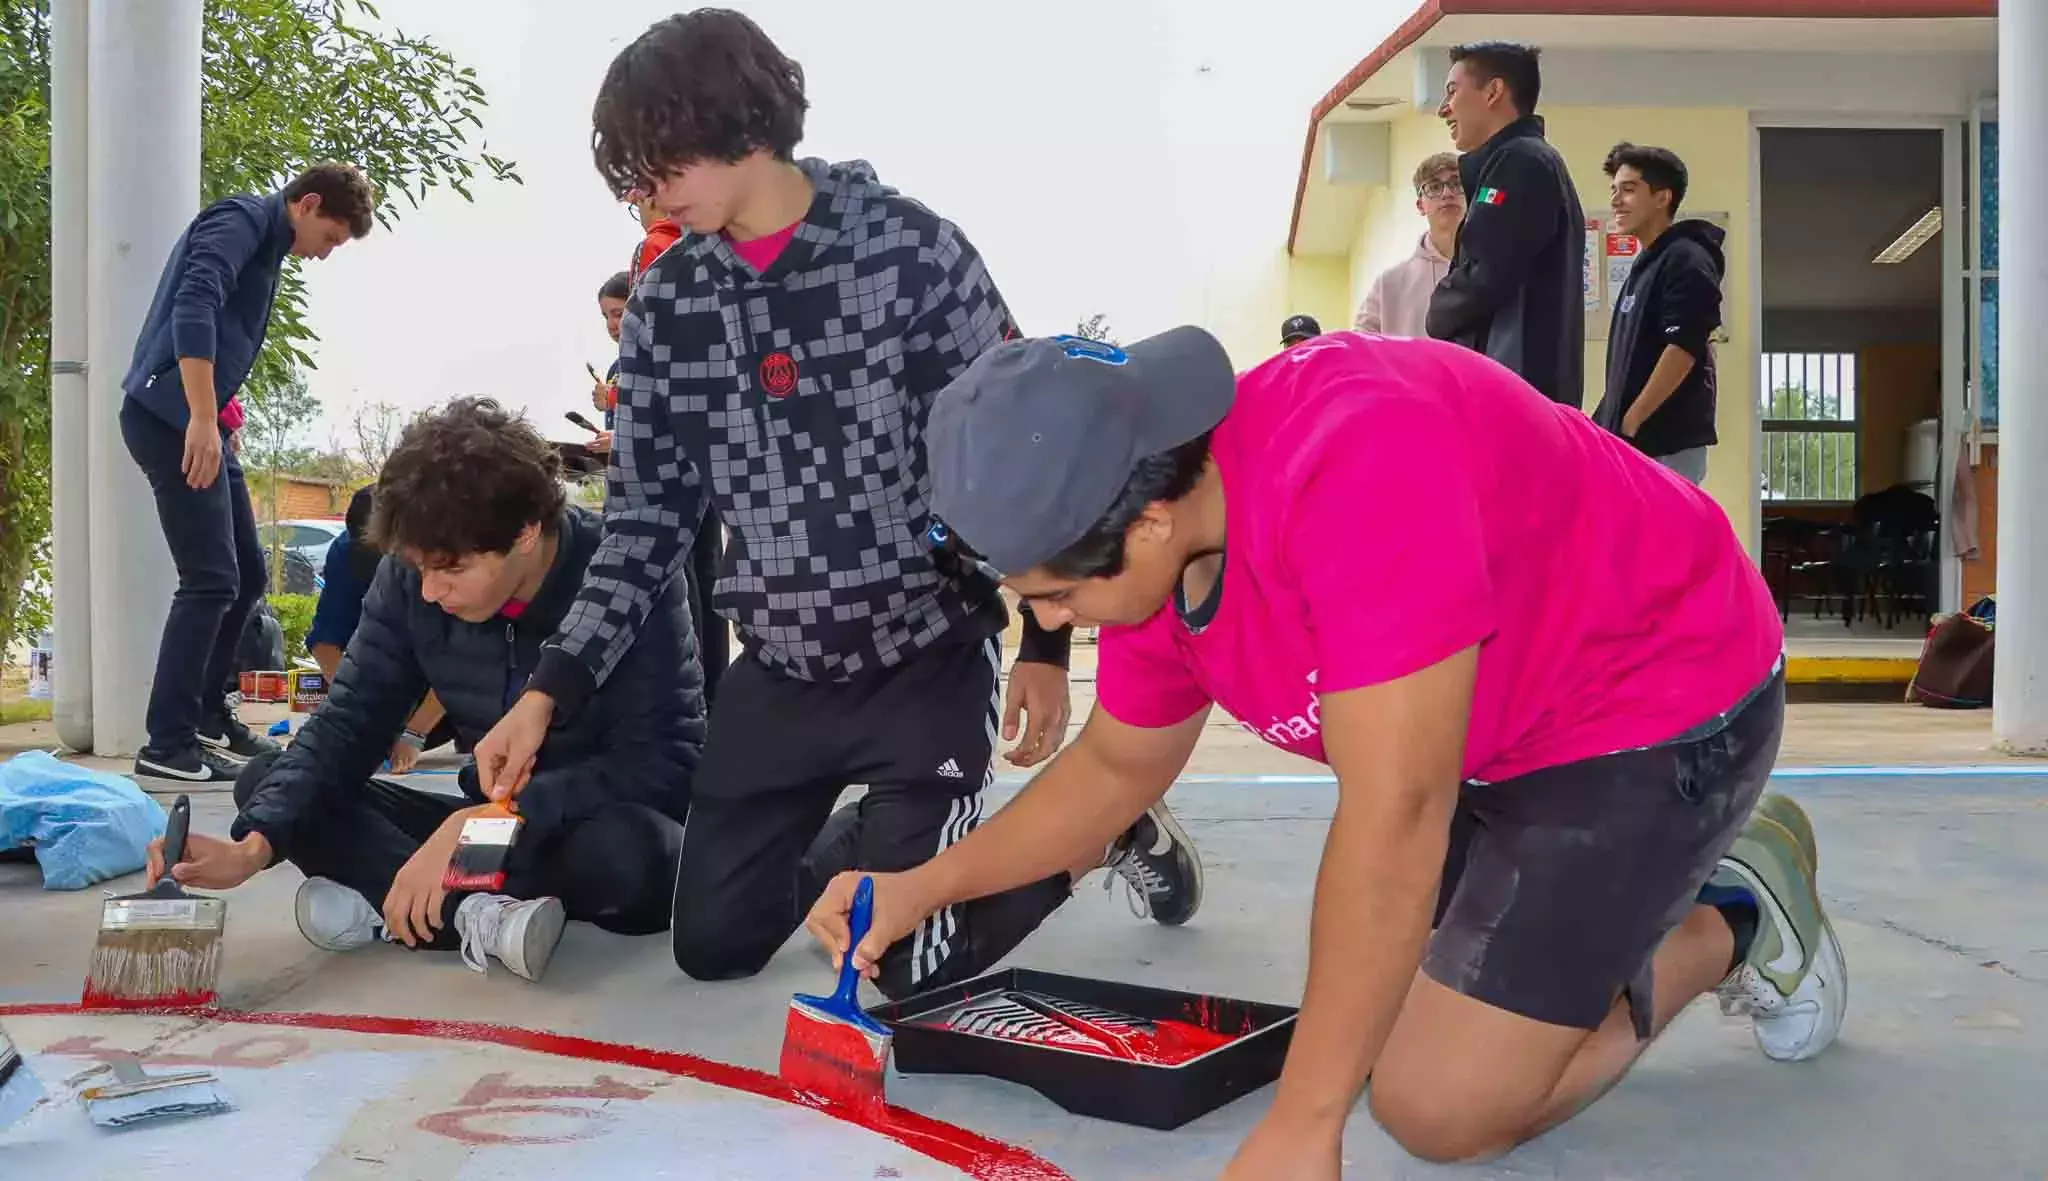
point(221, 574)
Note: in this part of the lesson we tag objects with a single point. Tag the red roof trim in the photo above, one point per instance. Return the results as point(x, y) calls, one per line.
point(1432, 11)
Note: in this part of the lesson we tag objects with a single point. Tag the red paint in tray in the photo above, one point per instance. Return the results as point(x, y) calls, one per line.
point(1017, 1015)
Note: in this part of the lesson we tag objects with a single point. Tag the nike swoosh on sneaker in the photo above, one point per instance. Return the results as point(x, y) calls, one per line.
point(1791, 951)
point(203, 773)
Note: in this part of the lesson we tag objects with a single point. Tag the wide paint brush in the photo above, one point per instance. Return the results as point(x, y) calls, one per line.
point(482, 850)
point(831, 1048)
point(160, 948)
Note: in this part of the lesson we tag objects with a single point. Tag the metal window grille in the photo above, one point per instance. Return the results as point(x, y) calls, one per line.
point(1811, 441)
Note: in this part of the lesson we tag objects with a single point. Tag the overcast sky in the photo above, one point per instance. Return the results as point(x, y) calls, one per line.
point(1163, 156)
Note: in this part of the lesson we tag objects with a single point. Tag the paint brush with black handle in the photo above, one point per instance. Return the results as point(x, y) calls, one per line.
point(159, 949)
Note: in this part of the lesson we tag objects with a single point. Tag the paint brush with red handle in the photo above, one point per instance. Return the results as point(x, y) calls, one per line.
point(831, 1048)
point(583, 422)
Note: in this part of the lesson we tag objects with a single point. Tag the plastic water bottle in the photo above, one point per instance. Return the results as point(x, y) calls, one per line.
point(40, 658)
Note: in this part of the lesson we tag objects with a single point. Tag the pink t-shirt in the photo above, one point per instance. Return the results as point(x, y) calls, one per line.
point(1391, 503)
point(761, 253)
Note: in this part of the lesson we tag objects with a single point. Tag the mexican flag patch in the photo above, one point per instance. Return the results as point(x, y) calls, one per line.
point(1491, 196)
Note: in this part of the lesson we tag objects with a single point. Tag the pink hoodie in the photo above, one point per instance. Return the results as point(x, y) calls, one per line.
point(1398, 302)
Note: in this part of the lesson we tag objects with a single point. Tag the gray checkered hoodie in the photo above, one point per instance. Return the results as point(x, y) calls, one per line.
point(794, 401)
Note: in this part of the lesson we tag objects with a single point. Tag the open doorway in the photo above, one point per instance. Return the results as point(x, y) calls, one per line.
point(1850, 387)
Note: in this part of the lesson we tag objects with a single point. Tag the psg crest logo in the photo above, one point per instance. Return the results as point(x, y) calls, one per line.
point(778, 374)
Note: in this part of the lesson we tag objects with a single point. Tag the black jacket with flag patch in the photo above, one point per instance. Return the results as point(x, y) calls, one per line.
point(794, 401)
point(1516, 288)
point(1672, 297)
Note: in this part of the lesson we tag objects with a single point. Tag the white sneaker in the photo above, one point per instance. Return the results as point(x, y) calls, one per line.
point(1794, 983)
point(522, 934)
point(1797, 1027)
point(333, 917)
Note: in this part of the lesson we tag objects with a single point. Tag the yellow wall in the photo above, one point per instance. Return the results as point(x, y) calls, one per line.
point(1319, 287)
point(1715, 144)
point(1246, 305)
point(1392, 226)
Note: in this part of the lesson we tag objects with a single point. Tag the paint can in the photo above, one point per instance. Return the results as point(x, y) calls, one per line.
point(307, 688)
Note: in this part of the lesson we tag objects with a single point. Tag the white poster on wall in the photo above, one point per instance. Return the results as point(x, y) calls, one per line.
point(1621, 253)
point(1592, 277)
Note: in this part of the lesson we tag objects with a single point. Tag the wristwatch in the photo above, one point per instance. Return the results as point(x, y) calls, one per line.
point(414, 739)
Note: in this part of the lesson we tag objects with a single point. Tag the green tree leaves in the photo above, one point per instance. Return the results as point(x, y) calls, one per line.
point(286, 83)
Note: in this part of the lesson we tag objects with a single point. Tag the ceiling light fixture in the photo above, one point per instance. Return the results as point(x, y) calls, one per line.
point(1907, 244)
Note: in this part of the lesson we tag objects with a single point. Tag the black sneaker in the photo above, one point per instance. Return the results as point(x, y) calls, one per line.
point(224, 732)
point(1158, 862)
point(194, 764)
point(831, 853)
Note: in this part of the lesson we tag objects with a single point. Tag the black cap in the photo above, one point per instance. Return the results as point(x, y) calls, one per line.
point(1299, 328)
point(1033, 443)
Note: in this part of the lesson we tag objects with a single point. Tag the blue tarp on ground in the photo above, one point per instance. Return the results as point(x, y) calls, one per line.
point(86, 826)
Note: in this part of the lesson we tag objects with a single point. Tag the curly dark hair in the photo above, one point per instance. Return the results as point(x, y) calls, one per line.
point(702, 85)
point(1660, 168)
point(466, 479)
point(345, 195)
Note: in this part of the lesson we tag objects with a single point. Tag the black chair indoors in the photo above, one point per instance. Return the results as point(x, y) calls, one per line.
point(1890, 557)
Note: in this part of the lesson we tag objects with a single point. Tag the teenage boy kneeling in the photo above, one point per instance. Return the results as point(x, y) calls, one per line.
point(487, 556)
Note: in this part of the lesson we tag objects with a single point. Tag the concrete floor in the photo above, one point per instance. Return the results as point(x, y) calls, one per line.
point(1934, 882)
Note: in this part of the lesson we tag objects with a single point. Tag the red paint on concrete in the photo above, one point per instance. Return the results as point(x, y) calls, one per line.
point(98, 1000)
point(976, 1155)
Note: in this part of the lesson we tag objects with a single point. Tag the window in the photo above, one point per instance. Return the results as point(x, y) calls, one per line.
point(1810, 435)
point(1982, 305)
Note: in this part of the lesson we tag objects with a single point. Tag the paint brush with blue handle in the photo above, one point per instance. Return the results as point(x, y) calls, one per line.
point(831, 1048)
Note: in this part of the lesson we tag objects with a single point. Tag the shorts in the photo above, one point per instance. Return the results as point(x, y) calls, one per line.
point(1560, 884)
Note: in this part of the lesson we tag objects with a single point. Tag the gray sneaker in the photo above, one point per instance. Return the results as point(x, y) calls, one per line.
point(333, 917)
point(1794, 984)
point(521, 933)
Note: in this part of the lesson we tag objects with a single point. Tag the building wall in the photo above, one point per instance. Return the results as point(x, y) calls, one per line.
point(1391, 226)
point(1715, 143)
point(298, 499)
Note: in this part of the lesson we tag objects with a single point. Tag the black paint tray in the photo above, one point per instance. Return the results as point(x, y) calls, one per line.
point(1147, 1094)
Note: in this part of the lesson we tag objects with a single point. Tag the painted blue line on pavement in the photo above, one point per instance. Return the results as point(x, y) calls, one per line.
point(1981, 771)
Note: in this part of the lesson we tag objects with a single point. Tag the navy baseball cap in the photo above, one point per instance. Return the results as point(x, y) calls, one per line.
point(1299, 328)
point(1032, 444)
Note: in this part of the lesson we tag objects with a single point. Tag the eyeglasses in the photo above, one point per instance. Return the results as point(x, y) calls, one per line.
point(1437, 190)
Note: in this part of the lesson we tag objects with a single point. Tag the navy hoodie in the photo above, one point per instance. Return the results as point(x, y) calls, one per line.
point(794, 402)
point(1672, 297)
point(212, 302)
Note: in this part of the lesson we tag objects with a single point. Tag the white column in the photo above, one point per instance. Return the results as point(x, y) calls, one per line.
point(2020, 708)
point(143, 180)
point(69, 420)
